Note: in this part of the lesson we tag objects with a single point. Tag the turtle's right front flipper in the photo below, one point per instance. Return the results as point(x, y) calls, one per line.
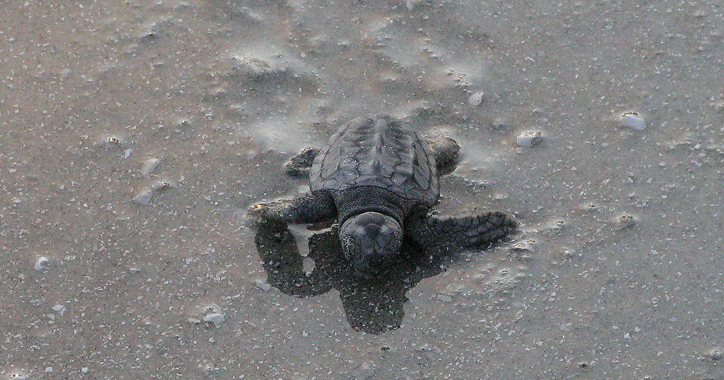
point(312, 208)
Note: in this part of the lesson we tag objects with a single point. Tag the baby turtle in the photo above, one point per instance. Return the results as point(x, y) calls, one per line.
point(380, 180)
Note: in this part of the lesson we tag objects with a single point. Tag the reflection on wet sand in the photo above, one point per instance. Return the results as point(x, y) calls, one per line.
point(371, 305)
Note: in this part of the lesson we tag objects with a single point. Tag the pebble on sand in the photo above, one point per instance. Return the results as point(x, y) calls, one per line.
point(633, 120)
point(556, 225)
point(529, 138)
point(715, 354)
point(623, 222)
point(114, 142)
point(590, 207)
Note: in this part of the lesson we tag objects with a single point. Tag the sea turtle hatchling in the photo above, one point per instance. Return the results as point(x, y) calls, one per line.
point(379, 179)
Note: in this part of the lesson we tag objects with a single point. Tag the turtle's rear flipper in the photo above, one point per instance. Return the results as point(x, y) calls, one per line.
point(444, 234)
point(446, 152)
point(299, 165)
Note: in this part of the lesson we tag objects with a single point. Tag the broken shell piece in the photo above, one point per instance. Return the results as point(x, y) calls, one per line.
point(149, 166)
point(41, 263)
point(143, 197)
point(529, 138)
point(524, 246)
point(146, 194)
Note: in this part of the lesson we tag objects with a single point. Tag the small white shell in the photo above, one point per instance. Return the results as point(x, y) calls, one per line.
point(476, 99)
point(215, 318)
point(41, 263)
point(17, 375)
point(633, 120)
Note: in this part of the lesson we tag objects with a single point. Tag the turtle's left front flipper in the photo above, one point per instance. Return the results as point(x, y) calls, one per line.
point(443, 234)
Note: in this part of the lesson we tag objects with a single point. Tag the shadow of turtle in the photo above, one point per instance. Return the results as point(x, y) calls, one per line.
point(371, 305)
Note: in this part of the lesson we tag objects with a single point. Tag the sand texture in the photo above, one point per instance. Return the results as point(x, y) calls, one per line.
point(134, 135)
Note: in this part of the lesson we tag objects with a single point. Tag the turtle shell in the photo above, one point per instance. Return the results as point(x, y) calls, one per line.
point(377, 151)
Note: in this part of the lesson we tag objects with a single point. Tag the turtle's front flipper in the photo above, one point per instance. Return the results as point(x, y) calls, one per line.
point(443, 234)
point(299, 165)
point(312, 208)
point(446, 152)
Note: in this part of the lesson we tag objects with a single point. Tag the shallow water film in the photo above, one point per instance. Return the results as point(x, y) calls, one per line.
point(135, 134)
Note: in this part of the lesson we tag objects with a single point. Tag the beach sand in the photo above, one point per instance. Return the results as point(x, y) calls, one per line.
point(134, 135)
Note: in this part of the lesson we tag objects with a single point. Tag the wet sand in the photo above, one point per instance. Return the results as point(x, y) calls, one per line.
point(133, 136)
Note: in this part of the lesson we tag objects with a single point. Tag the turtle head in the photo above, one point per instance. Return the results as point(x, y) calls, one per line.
point(371, 242)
